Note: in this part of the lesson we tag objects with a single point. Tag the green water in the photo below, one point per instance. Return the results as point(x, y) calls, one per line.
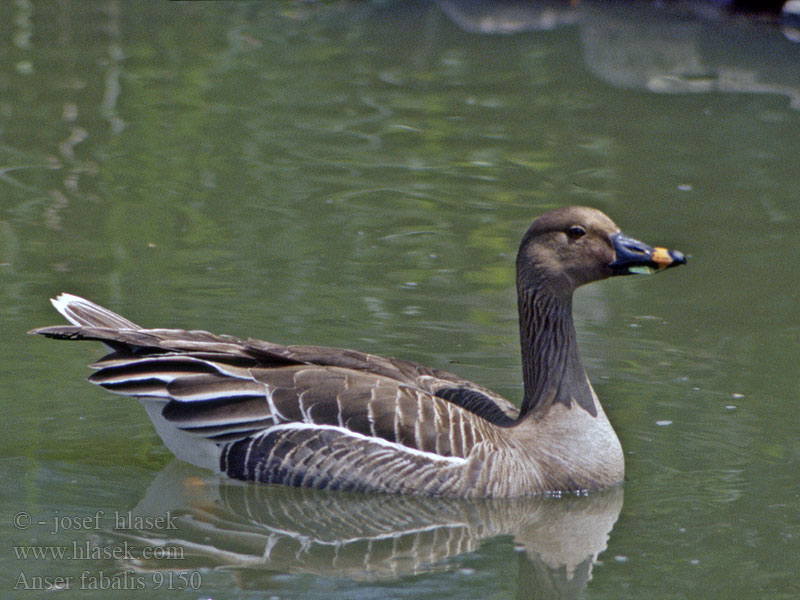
point(359, 175)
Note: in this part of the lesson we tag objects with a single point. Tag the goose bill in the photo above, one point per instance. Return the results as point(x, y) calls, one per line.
point(633, 256)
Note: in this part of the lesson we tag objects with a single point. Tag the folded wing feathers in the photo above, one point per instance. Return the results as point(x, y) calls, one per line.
point(206, 393)
point(401, 371)
point(213, 418)
point(378, 419)
point(215, 387)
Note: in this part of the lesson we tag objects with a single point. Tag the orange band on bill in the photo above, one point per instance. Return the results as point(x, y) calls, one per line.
point(661, 257)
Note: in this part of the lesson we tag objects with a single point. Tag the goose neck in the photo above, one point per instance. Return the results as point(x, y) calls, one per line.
point(551, 364)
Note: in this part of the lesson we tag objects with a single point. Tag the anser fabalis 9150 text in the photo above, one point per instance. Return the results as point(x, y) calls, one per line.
point(330, 418)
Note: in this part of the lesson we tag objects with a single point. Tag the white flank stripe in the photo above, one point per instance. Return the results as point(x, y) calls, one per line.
point(395, 447)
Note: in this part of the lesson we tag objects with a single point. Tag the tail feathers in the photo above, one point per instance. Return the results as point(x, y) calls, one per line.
point(83, 313)
point(93, 322)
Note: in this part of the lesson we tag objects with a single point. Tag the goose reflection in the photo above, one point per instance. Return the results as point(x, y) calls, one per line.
point(255, 530)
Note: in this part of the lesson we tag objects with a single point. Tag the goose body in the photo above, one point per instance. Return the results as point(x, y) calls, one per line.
point(331, 418)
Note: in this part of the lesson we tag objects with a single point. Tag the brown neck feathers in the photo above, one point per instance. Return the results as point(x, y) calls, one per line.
point(551, 364)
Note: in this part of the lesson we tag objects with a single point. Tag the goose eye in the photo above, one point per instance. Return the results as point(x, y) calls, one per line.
point(576, 232)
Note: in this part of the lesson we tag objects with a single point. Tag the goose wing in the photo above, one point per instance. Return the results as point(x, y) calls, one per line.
point(459, 391)
point(227, 389)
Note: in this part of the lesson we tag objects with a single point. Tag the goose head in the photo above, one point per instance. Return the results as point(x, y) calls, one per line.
point(575, 245)
point(563, 249)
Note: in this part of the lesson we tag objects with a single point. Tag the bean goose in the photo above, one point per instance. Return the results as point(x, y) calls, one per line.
point(331, 418)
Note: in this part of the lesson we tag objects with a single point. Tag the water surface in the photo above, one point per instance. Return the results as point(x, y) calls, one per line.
point(360, 175)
